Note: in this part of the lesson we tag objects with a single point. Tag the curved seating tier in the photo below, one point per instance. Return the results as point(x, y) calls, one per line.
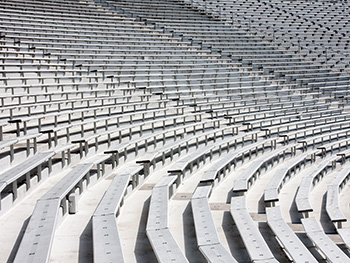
point(330, 250)
point(284, 173)
point(296, 250)
point(157, 229)
point(332, 205)
point(37, 240)
point(256, 245)
point(106, 241)
point(309, 181)
point(207, 238)
point(106, 103)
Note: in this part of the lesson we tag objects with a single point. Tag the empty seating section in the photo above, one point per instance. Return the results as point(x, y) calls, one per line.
point(23, 177)
point(191, 121)
point(187, 163)
point(318, 30)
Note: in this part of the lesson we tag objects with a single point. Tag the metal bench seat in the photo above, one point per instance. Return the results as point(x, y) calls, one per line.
point(330, 250)
point(169, 150)
point(283, 128)
point(333, 190)
point(344, 233)
point(158, 211)
point(37, 240)
point(246, 110)
point(254, 242)
point(165, 246)
point(309, 181)
point(280, 177)
point(223, 165)
point(325, 136)
point(163, 243)
point(303, 133)
point(207, 238)
point(106, 240)
point(93, 114)
point(290, 242)
point(194, 158)
point(265, 115)
point(11, 176)
point(63, 187)
point(292, 118)
point(247, 178)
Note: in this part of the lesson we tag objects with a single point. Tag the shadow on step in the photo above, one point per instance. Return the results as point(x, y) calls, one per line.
point(192, 252)
point(234, 240)
point(143, 249)
point(85, 245)
point(18, 241)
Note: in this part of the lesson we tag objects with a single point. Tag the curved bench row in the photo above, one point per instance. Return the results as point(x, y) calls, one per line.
point(250, 175)
point(105, 236)
point(23, 177)
point(284, 173)
point(37, 240)
point(207, 238)
point(309, 181)
point(157, 229)
point(332, 204)
point(255, 244)
point(333, 190)
point(325, 245)
point(292, 245)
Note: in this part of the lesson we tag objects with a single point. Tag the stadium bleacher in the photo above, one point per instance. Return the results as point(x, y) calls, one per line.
point(174, 131)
